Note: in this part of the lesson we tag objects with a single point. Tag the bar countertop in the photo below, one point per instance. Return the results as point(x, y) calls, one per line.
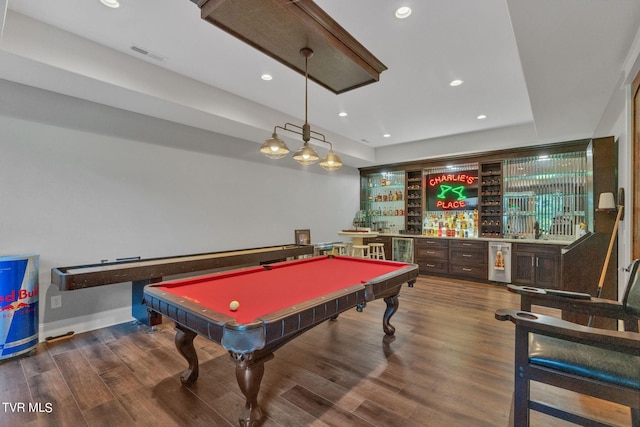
point(543, 241)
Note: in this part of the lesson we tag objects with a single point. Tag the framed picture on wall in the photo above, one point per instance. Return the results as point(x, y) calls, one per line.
point(303, 237)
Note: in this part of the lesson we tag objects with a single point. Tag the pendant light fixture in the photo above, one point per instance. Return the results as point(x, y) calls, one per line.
point(275, 148)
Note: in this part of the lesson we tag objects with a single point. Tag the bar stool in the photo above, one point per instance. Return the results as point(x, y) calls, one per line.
point(361, 251)
point(376, 251)
point(341, 248)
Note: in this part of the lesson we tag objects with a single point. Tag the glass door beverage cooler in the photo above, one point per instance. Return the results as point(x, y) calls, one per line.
point(402, 249)
point(500, 262)
point(382, 202)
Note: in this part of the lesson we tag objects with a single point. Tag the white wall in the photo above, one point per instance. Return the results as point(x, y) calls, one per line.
point(81, 182)
point(616, 120)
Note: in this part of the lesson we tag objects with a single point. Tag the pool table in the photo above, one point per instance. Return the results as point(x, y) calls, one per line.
point(277, 302)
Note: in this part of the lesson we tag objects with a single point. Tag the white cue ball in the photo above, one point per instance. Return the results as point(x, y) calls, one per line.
point(234, 305)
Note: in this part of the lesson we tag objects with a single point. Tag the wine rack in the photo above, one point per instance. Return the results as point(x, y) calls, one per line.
point(414, 202)
point(490, 221)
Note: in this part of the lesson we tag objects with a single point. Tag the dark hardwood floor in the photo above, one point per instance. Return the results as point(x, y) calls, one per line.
point(451, 363)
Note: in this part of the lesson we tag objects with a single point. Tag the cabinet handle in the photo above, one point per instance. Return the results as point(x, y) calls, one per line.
point(431, 252)
point(532, 262)
point(467, 255)
point(431, 265)
point(466, 244)
point(467, 269)
point(536, 261)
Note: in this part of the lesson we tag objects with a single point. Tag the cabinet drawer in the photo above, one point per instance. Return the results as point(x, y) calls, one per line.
point(537, 248)
point(467, 256)
point(476, 271)
point(432, 253)
point(433, 267)
point(422, 242)
point(378, 239)
point(468, 244)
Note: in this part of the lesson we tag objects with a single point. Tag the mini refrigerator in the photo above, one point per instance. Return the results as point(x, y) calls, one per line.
point(402, 249)
point(500, 262)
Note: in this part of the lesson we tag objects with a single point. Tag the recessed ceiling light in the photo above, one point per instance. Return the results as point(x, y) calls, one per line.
point(481, 117)
point(403, 12)
point(387, 135)
point(114, 4)
point(342, 114)
point(456, 82)
point(266, 77)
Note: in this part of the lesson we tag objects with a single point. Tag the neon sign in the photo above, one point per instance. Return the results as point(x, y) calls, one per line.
point(444, 189)
point(452, 191)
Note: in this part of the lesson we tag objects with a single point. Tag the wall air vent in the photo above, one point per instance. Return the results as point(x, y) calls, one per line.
point(147, 52)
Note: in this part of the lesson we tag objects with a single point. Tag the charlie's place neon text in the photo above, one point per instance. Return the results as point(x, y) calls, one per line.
point(460, 178)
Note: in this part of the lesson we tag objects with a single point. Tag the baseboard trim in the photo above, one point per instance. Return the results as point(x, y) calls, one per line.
point(86, 323)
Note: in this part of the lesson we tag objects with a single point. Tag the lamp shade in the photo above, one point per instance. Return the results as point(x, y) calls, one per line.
point(331, 161)
point(606, 201)
point(274, 147)
point(306, 155)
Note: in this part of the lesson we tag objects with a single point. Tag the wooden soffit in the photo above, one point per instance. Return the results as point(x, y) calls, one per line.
point(280, 28)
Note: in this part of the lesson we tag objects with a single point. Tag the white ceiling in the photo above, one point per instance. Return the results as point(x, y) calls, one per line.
point(551, 65)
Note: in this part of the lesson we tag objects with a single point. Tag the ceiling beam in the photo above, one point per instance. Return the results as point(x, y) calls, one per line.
point(280, 28)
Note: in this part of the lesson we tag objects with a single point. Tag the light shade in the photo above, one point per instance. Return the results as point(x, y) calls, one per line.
point(274, 147)
point(114, 4)
point(606, 201)
point(331, 161)
point(403, 12)
point(306, 155)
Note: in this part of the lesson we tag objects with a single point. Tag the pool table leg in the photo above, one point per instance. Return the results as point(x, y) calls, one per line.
point(249, 372)
point(184, 344)
point(392, 307)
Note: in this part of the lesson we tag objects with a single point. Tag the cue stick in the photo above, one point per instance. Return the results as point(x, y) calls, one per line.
point(614, 234)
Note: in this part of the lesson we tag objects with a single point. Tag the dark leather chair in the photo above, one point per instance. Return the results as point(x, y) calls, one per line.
point(595, 362)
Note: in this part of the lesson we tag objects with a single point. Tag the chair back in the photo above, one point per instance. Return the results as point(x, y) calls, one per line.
point(631, 299)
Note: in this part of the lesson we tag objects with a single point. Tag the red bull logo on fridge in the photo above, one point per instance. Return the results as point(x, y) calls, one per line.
point(18, 304)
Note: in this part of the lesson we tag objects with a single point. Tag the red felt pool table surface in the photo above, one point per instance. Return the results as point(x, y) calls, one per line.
point(261, 291)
